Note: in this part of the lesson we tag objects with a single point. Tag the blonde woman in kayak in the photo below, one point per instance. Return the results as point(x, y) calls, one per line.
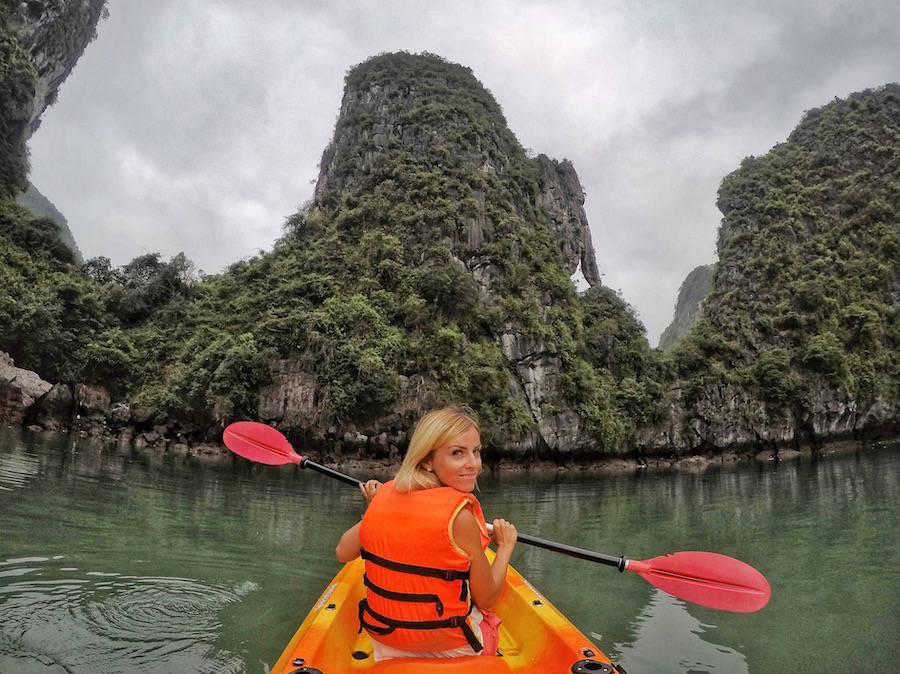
point(429, 583)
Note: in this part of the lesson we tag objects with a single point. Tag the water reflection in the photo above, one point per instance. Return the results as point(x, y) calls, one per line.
point(666, 632)
point(15, 471)
point(16, 467)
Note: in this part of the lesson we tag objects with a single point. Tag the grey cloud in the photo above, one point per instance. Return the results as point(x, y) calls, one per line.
point(198, 125)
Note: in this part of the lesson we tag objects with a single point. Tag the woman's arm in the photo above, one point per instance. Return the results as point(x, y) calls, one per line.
point(349, 546)
point(485, 579)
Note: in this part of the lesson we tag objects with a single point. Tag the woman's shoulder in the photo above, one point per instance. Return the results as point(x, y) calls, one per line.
point(468, 531)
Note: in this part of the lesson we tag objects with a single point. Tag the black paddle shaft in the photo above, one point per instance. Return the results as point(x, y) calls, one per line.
point(330, 472)
point(572, 551)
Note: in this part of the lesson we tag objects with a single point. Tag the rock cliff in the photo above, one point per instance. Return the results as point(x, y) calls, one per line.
point(21, 391)
point(432, 265)
point(423, 116)
point(55, 34)
point(38, 204)
point(691, 294)
point(383, 108)
point(41, 42)
point(798, 341)
point(563, 198)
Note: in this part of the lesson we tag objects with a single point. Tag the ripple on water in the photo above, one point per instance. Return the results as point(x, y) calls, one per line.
point(88, 622)
point(16, 470)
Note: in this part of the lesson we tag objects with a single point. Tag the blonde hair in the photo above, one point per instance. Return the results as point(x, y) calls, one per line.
point(433, 430)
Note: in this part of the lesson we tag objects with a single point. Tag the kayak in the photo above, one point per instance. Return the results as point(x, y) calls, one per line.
point(534, 637)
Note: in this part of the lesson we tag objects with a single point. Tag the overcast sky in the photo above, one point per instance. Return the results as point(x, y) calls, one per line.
point(197, 126)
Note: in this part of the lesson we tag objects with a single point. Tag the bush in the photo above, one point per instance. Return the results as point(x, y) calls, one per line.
point(825, 355)
point(772, 379)
point(36, 236)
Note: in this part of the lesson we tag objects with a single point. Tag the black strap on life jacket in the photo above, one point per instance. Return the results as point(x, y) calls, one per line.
point(406, 596)
point(444, 574)
point(393, 624)
point(449, 575)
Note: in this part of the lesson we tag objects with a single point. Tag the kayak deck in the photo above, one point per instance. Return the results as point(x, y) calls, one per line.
point(534, 637)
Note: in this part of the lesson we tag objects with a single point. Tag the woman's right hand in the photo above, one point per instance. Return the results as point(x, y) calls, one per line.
point(504, 534)
point(369, 489)
point(486, 578)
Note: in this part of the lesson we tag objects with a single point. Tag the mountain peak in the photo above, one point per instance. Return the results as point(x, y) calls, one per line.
point(416, 127)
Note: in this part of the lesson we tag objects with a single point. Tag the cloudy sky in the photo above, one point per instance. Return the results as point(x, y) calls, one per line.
point(197, 126)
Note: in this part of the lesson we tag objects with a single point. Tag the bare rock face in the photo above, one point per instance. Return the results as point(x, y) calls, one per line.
point(56, 410)
point(291, 400)
point(20, 391)
point(563, 197)
point(424, 114)
point(92, 401)
point(728, 417)
point(538, 381)
point(55, 33)
point(26, 398)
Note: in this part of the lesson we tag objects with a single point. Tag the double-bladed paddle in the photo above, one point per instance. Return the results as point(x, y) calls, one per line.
point(705, 578)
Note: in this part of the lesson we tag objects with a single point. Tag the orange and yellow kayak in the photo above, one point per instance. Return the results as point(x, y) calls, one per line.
point(534, 637)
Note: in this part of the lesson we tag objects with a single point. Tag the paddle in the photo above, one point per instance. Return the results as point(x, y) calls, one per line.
point(705, 578)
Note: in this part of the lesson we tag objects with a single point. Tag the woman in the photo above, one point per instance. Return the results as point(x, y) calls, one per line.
point(423, 537)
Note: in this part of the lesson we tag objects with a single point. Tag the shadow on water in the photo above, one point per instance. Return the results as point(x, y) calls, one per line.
point(115, 559)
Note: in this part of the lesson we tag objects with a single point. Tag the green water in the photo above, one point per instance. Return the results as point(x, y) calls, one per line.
point(119, 560)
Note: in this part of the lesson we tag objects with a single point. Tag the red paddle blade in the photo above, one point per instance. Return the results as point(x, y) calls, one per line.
point(708, 579)
point(259, 442)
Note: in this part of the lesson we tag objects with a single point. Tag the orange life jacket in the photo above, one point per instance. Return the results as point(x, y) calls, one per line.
point(417, 576)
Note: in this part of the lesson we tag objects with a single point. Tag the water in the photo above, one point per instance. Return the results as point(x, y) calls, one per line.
point(119, 560)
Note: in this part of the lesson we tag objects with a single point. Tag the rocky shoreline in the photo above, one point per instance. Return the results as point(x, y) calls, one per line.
point(622, 465)
point(217, 454)
point(153, 450)
point(29, 402)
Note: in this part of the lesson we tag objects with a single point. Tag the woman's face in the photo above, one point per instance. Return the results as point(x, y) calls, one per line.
point(457, 463)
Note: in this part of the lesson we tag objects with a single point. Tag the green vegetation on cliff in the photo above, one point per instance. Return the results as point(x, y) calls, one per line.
point(806, 294)
point(424, 247)
point(424, 271)
point(18, 79)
